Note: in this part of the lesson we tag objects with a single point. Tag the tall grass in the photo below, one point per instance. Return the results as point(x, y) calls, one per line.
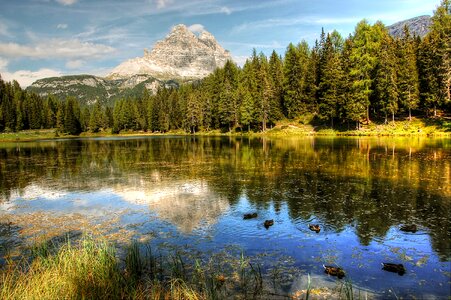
point(91, 269)
point(88, 271)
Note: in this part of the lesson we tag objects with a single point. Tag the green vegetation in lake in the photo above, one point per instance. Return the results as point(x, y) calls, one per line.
point(190, 194)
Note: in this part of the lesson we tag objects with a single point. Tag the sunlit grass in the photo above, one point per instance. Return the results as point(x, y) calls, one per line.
point(86, 271)
point(91, 269)
point(301, 126)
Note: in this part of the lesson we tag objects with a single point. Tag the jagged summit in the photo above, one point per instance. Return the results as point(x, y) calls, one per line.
point(418, 26)
point(182, 54)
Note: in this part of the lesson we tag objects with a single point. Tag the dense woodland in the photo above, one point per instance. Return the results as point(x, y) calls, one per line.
point(367, 76)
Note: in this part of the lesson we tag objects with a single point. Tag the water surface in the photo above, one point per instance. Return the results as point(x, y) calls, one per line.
point(192, 192)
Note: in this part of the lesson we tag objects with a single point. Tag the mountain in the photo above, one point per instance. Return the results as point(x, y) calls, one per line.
point(418, 26)
point(89, 89)
point(181, 55)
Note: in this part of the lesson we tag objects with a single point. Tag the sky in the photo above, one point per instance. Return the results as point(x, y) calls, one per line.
point(46, 38)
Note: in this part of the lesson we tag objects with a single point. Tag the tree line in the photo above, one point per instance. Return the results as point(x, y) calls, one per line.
point(368, 75)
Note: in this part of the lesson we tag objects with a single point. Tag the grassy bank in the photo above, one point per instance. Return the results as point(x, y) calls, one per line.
point(90, 269)
point(416, 127)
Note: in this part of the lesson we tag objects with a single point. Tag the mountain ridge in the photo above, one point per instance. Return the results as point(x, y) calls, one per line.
point(180, 57)
point(418, 26)
point(89, 89)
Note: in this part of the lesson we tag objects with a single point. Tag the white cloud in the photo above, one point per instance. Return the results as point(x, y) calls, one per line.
point(56, 48)
point(196, 28)
point(225, 10)
point(240, 60)
point(3, 64)
point(4, 30)
point(61, 26)
point(75, 64)
point(272, 45)
point(27, 77)
point(163, 3)
point(301, 20)
point(66, 2)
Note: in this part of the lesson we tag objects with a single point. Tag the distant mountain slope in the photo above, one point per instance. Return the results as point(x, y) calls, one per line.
point(89, 89)
point(418, 26)
point(181, 57)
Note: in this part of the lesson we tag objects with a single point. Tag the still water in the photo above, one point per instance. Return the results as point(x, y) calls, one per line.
point(192, 193)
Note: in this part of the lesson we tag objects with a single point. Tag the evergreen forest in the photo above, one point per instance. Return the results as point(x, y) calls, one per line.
point(339, 81)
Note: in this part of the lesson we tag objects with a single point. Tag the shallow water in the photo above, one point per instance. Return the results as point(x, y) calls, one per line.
point(192, 193)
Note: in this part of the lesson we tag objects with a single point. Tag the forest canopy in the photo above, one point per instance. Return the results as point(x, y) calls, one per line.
point(366, 76)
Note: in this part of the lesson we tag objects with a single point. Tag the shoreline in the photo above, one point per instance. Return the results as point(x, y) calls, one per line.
point(417, 128)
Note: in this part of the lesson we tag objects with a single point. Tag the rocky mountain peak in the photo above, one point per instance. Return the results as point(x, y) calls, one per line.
point(181, 55)
point(418, 26)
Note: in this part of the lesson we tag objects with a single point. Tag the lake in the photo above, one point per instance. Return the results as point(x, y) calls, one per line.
point(190, 194)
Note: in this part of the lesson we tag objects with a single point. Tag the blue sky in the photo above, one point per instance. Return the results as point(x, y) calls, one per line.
point(42, 38)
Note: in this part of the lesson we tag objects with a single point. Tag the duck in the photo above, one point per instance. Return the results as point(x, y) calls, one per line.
point(268, 223)
point(314, 227)
point(249, 216)
point(334, 271)
point(395, 268)
point(408, 228)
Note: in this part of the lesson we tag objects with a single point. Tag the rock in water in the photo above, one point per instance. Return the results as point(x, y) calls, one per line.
point(181, 55)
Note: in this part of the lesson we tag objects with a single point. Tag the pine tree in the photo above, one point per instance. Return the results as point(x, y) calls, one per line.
point(228, 106)
point(441, 39)
point(408, 81)
point(346, 106)
point(331, 88)
point(276, 73)
point(19, 97)
point(85, 115)
point(72, 123)
point(266, 92)
point(96, 119)
point(386, 78)
point(434, 60)
point(247, 111)
point(51, 111)
point(60, 116)
point(297, 96)
point(7, 108)
point(193, 109)
point(366, 42)
point(33, 111)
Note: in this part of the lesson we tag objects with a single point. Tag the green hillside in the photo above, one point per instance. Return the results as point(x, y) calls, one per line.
point(89, 89)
